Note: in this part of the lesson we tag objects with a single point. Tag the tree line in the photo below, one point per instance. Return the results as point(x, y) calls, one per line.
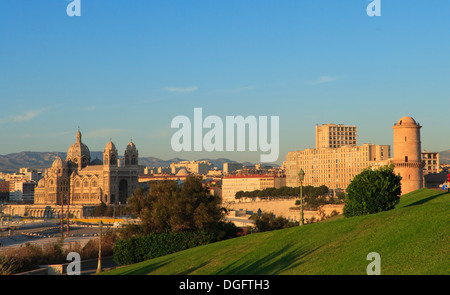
point(284, 192)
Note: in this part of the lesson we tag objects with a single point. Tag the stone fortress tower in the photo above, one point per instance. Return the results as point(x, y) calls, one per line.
point(407, 154)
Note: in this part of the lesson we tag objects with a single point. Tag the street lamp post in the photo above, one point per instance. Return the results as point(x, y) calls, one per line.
point(259, 220)
point(67, 216)
point(62, 213)
point(99, 265)
point(301, 176)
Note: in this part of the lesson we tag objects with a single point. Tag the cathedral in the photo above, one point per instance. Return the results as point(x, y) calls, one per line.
point(83, 183)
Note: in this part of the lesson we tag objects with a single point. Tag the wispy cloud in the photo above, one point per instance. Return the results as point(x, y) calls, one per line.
point(48, 134)
point(23, 117)
point(181, 89)
point(325, 79)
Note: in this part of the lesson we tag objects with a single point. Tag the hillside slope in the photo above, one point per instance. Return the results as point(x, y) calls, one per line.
point(411, 239)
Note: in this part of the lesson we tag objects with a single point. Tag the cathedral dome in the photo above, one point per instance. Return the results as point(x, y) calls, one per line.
point(78, 149)
point(58, 163)
point(97, 161)
point(182, 172)
point(41, 182)
point(79, 152)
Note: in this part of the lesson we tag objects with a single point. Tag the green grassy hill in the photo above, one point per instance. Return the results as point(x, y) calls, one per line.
point(411, 239)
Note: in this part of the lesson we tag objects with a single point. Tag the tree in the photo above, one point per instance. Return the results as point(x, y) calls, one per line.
point(373, 191)
point(268, 222)
point(99, 210)
point(167, 206)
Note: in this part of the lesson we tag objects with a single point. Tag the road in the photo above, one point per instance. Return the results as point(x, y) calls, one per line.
point(46, 233)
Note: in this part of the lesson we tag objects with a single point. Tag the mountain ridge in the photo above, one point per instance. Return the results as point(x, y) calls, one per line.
point(10, 163)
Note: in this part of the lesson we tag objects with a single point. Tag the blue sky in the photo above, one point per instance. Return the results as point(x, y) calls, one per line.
point(125, 69)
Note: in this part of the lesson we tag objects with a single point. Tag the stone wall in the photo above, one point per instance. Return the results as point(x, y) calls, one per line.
point(283, 208)
point(46, 211)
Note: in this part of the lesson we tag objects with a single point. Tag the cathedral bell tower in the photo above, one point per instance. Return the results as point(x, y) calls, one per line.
point(131, 155)
point(110, 155)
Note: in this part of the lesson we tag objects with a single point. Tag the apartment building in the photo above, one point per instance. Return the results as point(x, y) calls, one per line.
point(335, 136)
point(196, 167)
point(23, 192)
point(431, 162)
point(231, 167)
point(334, 167)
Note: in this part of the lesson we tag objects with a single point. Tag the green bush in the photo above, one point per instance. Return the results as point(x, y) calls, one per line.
point(373, 191)
point(137, 249)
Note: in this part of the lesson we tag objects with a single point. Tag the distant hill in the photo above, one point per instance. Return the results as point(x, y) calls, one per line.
point(444, 157)
point(41, 160)
point(34, 160)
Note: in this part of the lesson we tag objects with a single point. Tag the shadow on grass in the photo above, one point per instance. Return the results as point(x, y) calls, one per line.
point(425, 200)
point(192, 269)
point(276, 262)
point(146, 269)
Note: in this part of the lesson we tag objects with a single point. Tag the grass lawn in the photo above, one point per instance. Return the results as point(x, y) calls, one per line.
point(411, 239)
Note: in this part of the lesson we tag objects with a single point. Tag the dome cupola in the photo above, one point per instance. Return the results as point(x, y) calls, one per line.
point(110, 154)
point(131, 154)
point(78, 154)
